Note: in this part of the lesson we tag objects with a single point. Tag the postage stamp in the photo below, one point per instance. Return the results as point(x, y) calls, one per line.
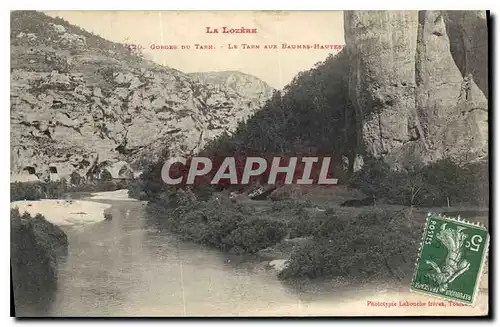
point(451, 258)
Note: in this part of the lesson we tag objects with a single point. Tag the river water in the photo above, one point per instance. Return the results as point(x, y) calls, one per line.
point(128, 267)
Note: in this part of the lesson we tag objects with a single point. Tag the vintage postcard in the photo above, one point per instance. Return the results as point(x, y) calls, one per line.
point(249, 163)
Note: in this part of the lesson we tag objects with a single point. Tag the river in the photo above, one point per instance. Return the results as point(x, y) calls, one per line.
point(128, 267)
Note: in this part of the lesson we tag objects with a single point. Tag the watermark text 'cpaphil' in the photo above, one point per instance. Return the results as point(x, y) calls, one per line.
point(237, 171)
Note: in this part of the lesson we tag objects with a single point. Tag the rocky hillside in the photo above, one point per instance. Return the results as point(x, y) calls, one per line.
point(419, 83)
point(79, 101)
point(245, 85)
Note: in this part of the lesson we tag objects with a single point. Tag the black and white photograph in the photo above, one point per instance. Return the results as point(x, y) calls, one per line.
point(250, 163)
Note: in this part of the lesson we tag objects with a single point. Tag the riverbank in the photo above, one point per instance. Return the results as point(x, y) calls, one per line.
point(64, 212)
point(37, 247)
point(71, 212)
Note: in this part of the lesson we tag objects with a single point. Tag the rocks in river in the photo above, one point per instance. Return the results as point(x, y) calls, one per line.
point(36, 248)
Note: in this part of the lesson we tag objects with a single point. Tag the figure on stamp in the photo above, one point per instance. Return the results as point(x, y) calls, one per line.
point(454, 265)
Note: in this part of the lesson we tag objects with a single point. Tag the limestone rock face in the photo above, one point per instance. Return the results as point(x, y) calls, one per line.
point(78, 100)
point(418, 81)
point(381, 47)
point(243, 84)
point(468, 35)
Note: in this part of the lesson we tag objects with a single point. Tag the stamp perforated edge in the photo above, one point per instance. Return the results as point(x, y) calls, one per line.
point(480, 271)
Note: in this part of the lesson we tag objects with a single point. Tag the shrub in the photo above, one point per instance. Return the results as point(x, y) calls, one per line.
point(254, 234)
point(302, 224)
point(151, 182)
point(36, 247)
point(36, 191)
point(217, 222)
point(25, 191)
point(379, 243)
point(135, 191)
point(55, 190)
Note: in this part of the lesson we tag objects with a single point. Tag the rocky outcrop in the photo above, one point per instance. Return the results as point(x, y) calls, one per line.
point(37, 246)
point(245, 85)
point(77, 99)
point(381, 48)
point(418, 82)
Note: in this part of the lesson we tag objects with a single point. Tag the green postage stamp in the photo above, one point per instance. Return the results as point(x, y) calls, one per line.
point(451, 259)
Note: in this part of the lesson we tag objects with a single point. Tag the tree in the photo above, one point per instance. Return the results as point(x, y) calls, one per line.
point(413, 184)
point(375, 179)
point(106, 175)
point(75, 178)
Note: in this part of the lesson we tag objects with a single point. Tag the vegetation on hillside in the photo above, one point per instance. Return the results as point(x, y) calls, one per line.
point(381, 243)
point(311, 117)
point(442, 183)
point(217, 222)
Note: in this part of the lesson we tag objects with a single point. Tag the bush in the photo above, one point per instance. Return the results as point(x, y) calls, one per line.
point(56, 190)
point(254, 234)
point(36, 246)
point(380, 243)
point(302, 223)
point(106, 175)
point(36, 191)
point(135, 191)
point(26, 191)
point(217, 222)
point(150, 182)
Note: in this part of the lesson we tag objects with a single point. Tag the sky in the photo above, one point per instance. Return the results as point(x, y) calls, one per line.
point(277, 66)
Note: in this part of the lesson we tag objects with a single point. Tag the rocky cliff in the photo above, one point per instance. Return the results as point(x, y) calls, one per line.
point(78, 101)
point(245, 85)
point(419, 83)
